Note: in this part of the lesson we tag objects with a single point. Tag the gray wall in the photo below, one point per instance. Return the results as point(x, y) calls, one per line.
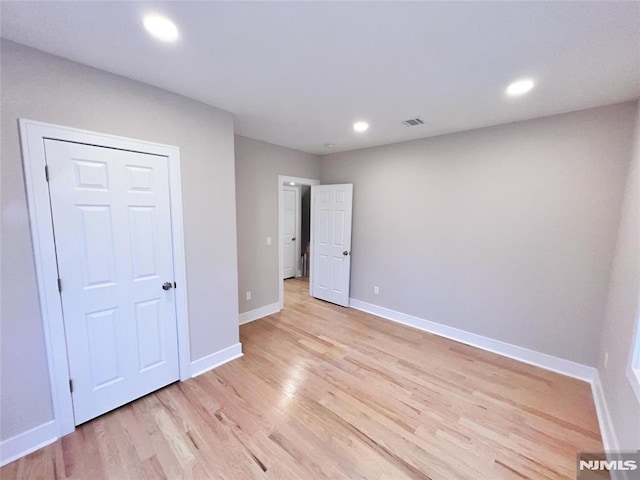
point(258, 165)
point(506, 232)
point(621, 318)
point(42, 87)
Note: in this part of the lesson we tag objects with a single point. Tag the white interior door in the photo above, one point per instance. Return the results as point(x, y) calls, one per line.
point(290, 213)
point(331, 207)
point(112, 223)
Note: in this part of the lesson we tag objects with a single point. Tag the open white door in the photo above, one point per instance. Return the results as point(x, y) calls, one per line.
point(290, 225)
point(331, 207)
point(113, 233)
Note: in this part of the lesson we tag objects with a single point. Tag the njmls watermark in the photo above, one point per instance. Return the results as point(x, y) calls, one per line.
point(605, 465)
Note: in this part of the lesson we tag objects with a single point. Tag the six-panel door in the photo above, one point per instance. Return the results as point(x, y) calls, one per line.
point(289, 231)
point(331, 248)
point(112, 223)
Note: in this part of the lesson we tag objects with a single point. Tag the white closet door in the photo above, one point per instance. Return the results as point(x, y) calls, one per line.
point(113, 236)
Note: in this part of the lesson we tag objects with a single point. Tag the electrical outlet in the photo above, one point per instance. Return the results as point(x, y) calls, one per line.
point(376, 290)
point(268, 240)
point(248, 295)
point(606, 359)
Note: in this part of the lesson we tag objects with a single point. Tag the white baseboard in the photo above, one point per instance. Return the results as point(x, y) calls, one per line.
point(607, 432)
point(542, 360)
point(258, 313)
point(202, 365)
point(24, 443)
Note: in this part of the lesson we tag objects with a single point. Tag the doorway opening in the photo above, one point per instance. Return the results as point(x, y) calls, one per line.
point(294, 210)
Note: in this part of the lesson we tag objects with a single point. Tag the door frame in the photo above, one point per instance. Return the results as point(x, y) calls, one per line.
point(32, 136)
point(282, 179)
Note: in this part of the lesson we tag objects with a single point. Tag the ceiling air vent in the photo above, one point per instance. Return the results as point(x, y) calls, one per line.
point(413, 122)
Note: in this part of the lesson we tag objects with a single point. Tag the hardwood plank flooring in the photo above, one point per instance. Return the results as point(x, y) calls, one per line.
point(327, 392)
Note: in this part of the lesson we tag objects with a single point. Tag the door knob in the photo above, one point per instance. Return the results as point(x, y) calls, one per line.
point(293, 239)
point(346, 252)
point(167, 286)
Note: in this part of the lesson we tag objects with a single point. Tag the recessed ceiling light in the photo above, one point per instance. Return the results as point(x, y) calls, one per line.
point(329, 145)
point(161, 27)
point(520, 87)
point(360, 126)
point(292, 183)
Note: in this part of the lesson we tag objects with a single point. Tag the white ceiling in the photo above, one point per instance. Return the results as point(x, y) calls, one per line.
point(299, 74)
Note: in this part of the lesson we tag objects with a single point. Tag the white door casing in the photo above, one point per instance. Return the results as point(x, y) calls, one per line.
point(290, 225)
point(33, 136)
point(112, 225)
point(331, 212)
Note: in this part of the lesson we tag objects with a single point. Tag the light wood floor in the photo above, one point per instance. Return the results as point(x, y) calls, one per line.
point(326, 392)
